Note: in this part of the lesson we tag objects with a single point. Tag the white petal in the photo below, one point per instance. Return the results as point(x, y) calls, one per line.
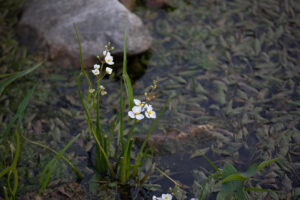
point(149, 108)
point(95, 72)
point(153, 115)
point(147, 114)
point(145, 106)
point(109, 60)
point(140, 116)
point(136, 109)
point(104, 53)
point(166, 197)
point(131, 114)
point(96, 66)
point(136, 102)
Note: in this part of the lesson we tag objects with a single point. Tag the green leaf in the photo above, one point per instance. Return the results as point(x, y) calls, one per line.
point(233, 185)
point(241, 195)
point(222, 195)
point(228, 170)
point(127, 82)
point(209, 183)
point(265, 163)
point(234, 177)
point(251, 171)
point(15, 76)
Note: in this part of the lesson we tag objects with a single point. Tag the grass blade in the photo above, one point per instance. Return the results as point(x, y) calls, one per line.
point(17, 75)
point(77, 172)
point(265, 163)
point(20, 111)
point(258, 189)
point(52, 163)
point(210, 162)
point(127, 82)
point(81, 58)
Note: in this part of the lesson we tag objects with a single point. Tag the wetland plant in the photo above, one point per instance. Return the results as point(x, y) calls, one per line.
point(114, 157)
point(10, 140)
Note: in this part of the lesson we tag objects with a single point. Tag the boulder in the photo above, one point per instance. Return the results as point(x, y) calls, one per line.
point(47, 26)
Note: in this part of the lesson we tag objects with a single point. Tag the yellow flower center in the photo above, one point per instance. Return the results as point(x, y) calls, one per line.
point(166, 197)
point(108, 60)
point(149, 112)
point(136, 113)
point(140, 104)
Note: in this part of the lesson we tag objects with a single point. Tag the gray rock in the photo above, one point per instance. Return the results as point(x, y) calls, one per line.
point(47, 26)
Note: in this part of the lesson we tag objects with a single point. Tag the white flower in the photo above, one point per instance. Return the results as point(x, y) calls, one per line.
point(96, 72)
point(166, 196)
point(108, 70)
point(103, 92)
point(136, 113)
point(109, 59)
point(140, 104)
point(96, 66)
point(102, 87)
point(150, 113)
point(156, 198)
point(91, 90)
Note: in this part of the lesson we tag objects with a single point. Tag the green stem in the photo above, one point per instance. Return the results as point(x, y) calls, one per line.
point(123, 166)
point(93, 129)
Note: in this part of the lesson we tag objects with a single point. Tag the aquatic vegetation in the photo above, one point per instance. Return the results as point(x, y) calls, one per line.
point(118, 164)
point(227, 182)
point(231, 65)
point(14, 126)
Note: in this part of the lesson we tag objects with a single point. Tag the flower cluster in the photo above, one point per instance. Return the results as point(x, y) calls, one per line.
point(108, 59)
point(139, 108)
point(163, 197)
